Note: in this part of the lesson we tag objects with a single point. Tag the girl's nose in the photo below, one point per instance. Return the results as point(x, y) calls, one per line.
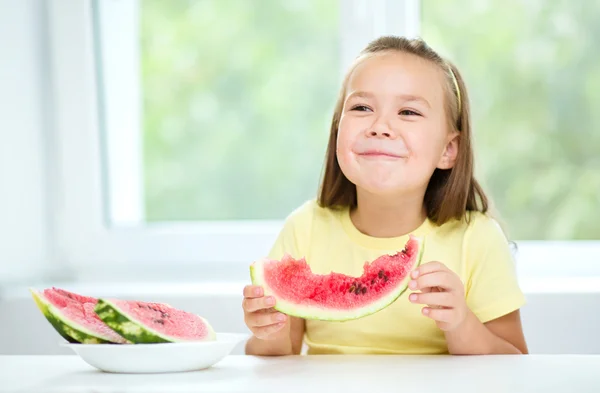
point(382, 128)
point(382, 131)
point(381, 134)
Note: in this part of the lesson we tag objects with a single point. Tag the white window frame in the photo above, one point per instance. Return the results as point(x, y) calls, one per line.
point(88, 242)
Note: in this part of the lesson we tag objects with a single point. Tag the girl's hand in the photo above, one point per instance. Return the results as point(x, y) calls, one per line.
point(442, 291)
point(259, 315)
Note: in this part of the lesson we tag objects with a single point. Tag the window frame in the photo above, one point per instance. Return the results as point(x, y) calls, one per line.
point(85, 238)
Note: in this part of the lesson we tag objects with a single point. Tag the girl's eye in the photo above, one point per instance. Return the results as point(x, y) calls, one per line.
point(360, 108)
point(408, 112)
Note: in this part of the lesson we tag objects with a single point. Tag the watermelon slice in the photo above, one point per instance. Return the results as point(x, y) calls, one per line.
point(336, 296)
point(73, 317)
point(144, 322)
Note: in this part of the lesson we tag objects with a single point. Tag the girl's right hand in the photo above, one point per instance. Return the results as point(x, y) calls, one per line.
point(262, 319)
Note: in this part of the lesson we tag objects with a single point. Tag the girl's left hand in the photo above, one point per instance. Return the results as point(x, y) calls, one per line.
point(442, 291)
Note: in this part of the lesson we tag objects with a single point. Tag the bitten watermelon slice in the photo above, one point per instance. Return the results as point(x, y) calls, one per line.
point(73, 317)
point(336, 296)
point(144, 322)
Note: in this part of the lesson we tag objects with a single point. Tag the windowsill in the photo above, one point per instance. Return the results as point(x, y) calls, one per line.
point(133, 288)
point(533, 286)
point(542, 285)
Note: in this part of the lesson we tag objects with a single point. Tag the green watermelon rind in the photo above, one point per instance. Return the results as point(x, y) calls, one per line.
point(134, 330)
point(69, 330)
point(311, 312)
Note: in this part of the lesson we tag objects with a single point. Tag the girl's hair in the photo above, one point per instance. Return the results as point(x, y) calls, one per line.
point(451, 192)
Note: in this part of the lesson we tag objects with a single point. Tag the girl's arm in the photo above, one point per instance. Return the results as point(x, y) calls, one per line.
point(503, 335)
point(443, 295)
point(297, 334)
point(287, 341)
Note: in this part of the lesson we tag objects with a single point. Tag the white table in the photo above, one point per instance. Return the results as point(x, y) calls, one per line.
point(370, 374)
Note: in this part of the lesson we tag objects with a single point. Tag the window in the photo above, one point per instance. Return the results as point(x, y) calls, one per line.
point(234, 111)
point(533, 68)
point(188, 129)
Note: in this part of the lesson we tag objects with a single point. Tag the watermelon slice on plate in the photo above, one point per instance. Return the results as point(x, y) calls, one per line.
point(144, 322)
point(87, 320)
point(73, 317)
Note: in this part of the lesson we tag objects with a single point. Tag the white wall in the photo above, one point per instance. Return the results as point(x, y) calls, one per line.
point(23, 77)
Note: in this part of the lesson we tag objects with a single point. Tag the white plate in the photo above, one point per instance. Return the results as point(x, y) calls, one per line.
point(157, 358)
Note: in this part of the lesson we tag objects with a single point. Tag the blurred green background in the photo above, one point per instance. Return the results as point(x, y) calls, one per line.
point(238, 97)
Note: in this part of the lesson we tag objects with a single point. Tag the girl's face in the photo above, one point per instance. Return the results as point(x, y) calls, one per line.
point(393, 130)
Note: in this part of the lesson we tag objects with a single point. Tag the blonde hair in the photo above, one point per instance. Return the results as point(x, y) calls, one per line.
point(451, 192)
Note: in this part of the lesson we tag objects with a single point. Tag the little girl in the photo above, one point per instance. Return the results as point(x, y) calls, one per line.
point(400, 161)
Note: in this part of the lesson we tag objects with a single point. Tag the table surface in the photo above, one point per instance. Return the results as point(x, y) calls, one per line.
point(326, 373)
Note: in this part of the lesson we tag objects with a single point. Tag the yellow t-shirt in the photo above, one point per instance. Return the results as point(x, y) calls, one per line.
point(478, 252)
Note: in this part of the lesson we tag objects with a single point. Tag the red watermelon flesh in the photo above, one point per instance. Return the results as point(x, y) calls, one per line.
point(73, 315)
point(336, 296)
point(166, 320)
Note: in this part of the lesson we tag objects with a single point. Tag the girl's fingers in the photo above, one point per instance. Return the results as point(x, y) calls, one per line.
point(255, 304)
point(259, 314)
point(432, 289)
point(427, 268)
point(439, 314)
point(442, 299)
point(265, 319)
point(252, 291)
point(442, 279)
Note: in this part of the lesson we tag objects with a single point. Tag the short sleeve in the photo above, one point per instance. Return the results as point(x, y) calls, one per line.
point(294, 236)
point(492, 288)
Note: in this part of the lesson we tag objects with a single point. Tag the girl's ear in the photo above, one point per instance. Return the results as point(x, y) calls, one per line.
point(450, 153)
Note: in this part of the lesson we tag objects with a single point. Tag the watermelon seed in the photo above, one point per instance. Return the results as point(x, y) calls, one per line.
point(352, 289)
point(385, 278)
point(380, 274)
point(364, 290)
point(372, 281)
point(164, 315)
